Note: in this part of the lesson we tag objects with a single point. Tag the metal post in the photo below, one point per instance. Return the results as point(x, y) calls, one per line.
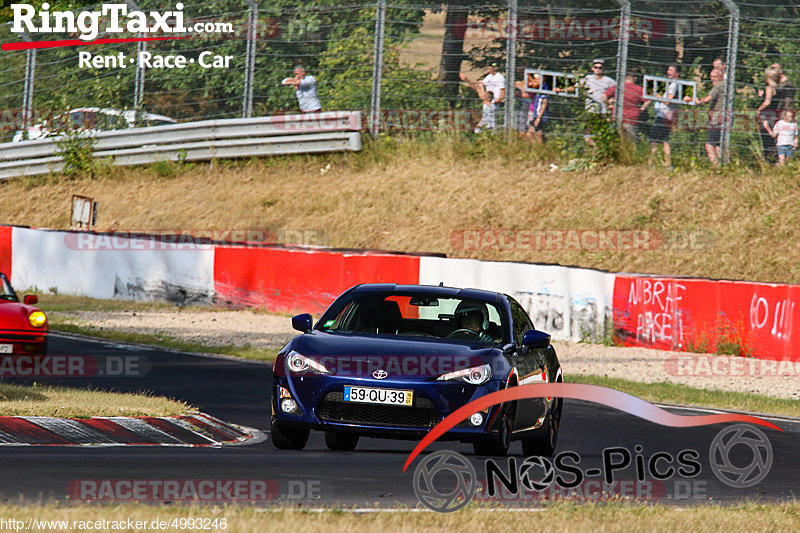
point(138, 83)
point(622, 60)
point(377, 70)
point(250, 60)
point(730, 79)
point(511, 67)
point(27, 97)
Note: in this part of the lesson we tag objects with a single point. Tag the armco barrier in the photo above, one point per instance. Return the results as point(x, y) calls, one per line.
point(197, 141)
point(570, 303)
point(704, 315)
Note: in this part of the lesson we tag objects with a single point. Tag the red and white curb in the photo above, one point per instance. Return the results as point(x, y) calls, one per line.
point(194, 430)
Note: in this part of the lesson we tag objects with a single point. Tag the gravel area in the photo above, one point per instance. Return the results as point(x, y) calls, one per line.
point(261, 330)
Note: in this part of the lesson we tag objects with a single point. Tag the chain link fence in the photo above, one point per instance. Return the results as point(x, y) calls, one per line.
point(416, 67)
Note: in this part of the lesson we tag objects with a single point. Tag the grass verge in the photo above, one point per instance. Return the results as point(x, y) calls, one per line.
point(38, 400)
point(615, 517)
point(664, 392)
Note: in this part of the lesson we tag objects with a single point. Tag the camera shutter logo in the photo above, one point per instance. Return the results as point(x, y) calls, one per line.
point(739, 437)
point(525, 473)
point(451, 498)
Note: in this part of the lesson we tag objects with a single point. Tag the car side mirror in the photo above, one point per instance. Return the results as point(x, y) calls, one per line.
point(536, 339)
point(30, 299)
point(302, 322)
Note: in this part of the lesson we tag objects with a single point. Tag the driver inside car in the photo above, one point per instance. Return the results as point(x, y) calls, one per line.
point(473, 316)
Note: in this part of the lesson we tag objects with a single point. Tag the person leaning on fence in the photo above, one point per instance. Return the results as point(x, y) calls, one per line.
point(666, 115)
point(492, 92)
point(305, 86)
point(716, 103)
point(537, 111)
point(633, 100)
point(595, 84)
point(785, 132)
point(786, 89)
point(767, 114)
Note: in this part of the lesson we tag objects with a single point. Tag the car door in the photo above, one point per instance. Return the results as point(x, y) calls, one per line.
point(530, 364)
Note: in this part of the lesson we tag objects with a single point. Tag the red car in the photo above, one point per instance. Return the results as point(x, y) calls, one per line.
point(23, 327)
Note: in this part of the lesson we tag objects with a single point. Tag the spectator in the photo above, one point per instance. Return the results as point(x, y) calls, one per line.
point(785, 130)
point(523, 103)
point(666, 115)
point(720, 65)
point(595, 84)
point(305, 87)
point(716, 101)
point(767, 114)
point(492, 92)
point(537, 112)
point(633, 100)
point(786, 89)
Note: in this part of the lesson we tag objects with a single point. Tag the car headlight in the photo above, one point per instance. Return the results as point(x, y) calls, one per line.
point(297, 363)
point(476, 375)
point(37, 319)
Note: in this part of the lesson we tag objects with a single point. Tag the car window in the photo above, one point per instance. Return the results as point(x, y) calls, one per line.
point(416, 314)
point(110, 122)
point(6, 292)
point(522, 322)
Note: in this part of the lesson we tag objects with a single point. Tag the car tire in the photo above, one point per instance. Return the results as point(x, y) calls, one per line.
point(340, 442)
point(497, 445)
point(544, 439)
point(288, 438)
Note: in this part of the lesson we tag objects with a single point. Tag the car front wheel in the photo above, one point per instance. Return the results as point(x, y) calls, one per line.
point(285, 438)
point(497, 444)
point(543, 441)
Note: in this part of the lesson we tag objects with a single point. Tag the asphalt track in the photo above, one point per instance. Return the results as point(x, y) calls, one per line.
point(237, 391)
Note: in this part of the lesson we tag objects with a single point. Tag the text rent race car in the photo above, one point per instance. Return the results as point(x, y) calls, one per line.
point(23, 328)
point(393, 360)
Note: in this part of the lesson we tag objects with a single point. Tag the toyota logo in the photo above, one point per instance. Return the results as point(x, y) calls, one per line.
point(379, 374)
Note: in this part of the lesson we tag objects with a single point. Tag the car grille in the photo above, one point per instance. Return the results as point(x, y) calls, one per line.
point(422, 414)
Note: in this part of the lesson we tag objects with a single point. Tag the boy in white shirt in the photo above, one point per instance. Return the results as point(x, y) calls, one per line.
point(492, 91)
point(785, 130)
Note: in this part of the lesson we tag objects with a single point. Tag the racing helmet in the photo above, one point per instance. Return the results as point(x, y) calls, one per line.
point(466, 308)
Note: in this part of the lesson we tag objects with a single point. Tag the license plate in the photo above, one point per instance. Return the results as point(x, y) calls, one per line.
point(6, 348)
point(381, 396)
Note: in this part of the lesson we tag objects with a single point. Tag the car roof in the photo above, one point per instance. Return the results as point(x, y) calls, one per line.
point(436, 290)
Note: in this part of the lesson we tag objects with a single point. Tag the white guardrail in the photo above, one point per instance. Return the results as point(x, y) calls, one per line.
point(197, 141)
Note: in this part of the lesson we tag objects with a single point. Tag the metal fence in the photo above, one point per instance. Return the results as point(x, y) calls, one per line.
point(419, 67)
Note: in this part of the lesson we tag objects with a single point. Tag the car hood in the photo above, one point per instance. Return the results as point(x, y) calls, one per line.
point(362, 355)
point(14, 315)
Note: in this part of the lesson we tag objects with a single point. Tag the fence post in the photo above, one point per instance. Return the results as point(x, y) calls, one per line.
point(730, 79)
point(622, 60)
point(511, 67)
point(27, 97)
point(250, 59)
point(377, 70)
point(138, 83)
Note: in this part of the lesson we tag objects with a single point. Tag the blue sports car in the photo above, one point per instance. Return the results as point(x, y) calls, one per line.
point(392, 361)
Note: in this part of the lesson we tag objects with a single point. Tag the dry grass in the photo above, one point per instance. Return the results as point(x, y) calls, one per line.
point(412, 196)
point(562, 517)
point(37, 400)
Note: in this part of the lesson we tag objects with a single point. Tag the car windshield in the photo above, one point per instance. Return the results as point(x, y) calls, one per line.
point(6, 292)
point(417, 315)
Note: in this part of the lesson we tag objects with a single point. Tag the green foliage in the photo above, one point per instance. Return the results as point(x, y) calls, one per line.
point(76, 148)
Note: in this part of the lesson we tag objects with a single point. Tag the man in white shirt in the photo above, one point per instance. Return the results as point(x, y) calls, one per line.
point(492, 92)
point(595, 85)
point(305, 86)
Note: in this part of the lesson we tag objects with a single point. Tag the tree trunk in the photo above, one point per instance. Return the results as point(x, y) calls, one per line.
point(453, 47)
